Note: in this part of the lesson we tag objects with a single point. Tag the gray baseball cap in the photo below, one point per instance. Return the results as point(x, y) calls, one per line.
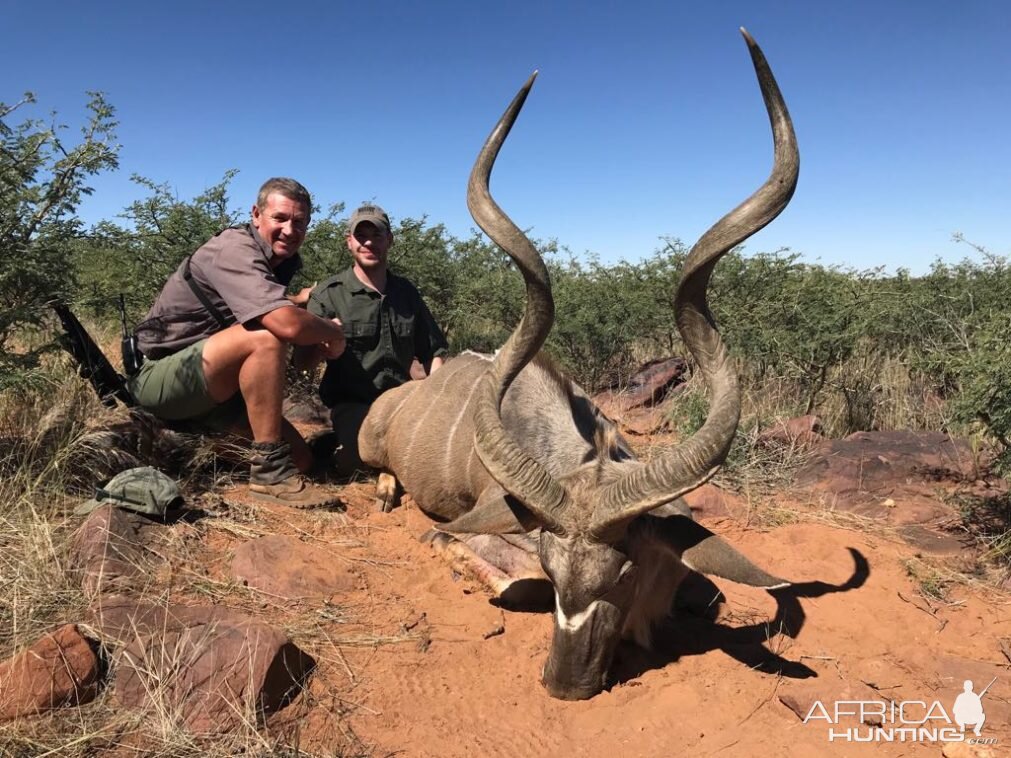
point(371, 213)
point(142, 490)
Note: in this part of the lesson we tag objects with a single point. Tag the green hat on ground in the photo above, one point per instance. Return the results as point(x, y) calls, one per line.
point(142, 490)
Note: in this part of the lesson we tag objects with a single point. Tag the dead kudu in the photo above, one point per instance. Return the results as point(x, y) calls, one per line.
point(506, 445)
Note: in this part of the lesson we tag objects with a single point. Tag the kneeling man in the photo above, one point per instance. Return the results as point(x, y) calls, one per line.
point(216, 340)
point(386, 324)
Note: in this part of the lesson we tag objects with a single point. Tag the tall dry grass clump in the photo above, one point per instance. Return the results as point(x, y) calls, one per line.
point(54, 449)
point(867, 392)
point(41, 439)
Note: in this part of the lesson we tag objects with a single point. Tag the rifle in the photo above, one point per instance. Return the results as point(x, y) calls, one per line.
point(91, 361)
point(987, 687)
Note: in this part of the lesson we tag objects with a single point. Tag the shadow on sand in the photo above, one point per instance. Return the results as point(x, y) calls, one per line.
point(695, 631)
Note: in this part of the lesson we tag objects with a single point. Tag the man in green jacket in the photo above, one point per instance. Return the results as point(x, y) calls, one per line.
point(386, 324)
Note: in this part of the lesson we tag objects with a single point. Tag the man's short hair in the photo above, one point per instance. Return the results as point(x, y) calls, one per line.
point(289, 188)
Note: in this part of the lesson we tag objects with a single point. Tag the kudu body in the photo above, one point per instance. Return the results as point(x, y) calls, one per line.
point(509, 444)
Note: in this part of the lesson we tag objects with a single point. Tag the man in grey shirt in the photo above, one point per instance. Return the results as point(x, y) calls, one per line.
point(216, 340)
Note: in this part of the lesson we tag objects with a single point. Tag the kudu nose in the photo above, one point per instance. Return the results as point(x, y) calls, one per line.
point(566, 691)
point(568, 682)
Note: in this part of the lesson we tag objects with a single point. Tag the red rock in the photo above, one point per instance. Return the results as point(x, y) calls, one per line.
point(951, 673)
point(59, 669)
point(289, 568)
point(800, 697)
point(874, 462)
point(935, 542)
point(211, 666)
point(709, 501)
point(804, 430)
point(121, 620)
point(107, 550)
point(894, 477)
point(647, 387)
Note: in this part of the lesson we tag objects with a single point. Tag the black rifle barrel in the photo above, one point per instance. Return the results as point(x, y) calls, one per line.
point(91, 361)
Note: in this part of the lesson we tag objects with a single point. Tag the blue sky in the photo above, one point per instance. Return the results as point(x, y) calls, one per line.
point(645, 120)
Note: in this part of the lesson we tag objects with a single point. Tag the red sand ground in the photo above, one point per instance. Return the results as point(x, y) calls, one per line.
point(464, 677)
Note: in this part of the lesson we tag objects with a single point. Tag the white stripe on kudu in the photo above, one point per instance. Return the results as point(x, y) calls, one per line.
point(577, 620)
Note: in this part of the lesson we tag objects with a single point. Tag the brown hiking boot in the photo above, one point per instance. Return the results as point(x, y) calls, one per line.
point(274, 479)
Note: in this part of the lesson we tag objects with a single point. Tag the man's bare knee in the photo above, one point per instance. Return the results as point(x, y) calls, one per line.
point(264, 345)
point(228, 352)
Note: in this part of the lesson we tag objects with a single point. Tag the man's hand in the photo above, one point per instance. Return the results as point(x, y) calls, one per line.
point(302, 297)
point(334, 348)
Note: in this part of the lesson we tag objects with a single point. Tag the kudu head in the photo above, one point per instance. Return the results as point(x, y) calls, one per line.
point(592, 518)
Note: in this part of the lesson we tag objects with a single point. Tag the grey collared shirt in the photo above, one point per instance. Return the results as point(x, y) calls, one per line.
point(233, 270)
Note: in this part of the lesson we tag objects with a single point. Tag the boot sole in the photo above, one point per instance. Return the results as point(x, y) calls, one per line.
point(326, 502)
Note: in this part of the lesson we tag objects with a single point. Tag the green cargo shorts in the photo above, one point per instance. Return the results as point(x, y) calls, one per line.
point(174, 388)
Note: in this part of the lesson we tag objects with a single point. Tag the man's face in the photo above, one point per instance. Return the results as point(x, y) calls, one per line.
point(282, 223)
point(369, 245)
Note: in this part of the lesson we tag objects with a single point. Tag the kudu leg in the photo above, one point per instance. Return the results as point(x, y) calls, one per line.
point(387, 492)
point(509, 571)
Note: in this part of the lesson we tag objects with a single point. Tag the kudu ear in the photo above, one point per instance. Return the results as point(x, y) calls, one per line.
point(495, 512)
point(702, 551)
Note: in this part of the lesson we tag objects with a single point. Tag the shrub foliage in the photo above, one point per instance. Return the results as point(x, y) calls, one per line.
point(864, 349)
point(43, 177)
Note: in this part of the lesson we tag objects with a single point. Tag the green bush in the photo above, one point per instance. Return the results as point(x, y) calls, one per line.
point(845, 344)
point(43, 178)
point(136, 258)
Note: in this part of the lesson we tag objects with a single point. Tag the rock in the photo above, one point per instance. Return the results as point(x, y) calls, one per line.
point(640, 421)
point(876, 462)
point(952, 672)
point(120, 620)
point(803, 430)
point(306, 409)
point(934, 542)
point(649, 385)
point(634, 405)
point(59, 669)
point(289, 568)
point(213, 667)
point(894, 477)
point(965, 750)
point(709, 501)
point(107, 551)
point(800, 696)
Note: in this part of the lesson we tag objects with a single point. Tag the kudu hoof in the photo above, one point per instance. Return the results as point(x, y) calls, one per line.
point(387, 494)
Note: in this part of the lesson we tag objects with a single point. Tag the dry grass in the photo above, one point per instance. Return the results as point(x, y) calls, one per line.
point(866, 393)
point(755, 467)
point(50, 458)
point(48, 449)
point(986, 519)
point(36, 459)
